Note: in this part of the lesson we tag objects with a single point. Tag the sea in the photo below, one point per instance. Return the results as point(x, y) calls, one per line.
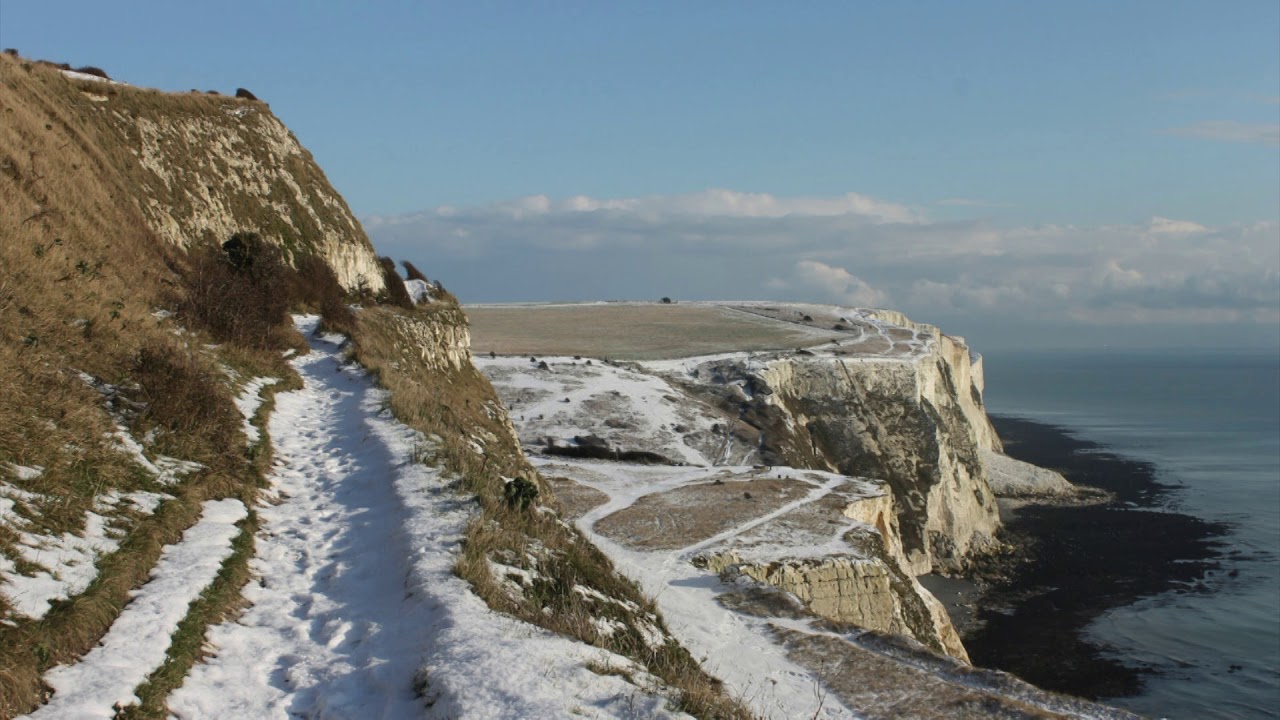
point(1210, 424)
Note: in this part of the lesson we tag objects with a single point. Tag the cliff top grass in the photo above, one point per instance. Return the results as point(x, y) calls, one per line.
point(642, 331)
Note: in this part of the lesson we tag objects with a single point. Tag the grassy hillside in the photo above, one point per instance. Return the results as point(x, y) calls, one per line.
point(93, 360)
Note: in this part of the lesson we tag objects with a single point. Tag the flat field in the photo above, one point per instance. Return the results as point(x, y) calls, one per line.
point(634, 331)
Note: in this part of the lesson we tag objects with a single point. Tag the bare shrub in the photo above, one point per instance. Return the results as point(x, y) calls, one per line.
point(245, 94)
point(95, 71)
point(520, 493)
point(315, 287)
point(184, 395)
point(394, 292)
point(240, 294)
point(413, 272)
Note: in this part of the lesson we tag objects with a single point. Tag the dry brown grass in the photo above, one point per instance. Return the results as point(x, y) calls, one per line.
point(460, 407)
point(696, 512)
point(631, 331)
point(245, 304)
point(81, 273)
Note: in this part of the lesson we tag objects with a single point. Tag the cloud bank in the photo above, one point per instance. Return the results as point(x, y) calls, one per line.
point(853, 250)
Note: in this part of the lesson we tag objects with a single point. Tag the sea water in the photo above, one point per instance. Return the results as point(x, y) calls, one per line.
point(1210, 423)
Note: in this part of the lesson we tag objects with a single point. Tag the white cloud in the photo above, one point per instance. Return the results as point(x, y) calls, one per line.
point(850, 249)
point(1165, 225)
point(1114, 277)
point(839, 285)
point(1231, 131)
point(714, 203)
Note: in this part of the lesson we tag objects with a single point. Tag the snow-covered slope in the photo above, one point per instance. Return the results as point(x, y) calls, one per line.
point(562, 398)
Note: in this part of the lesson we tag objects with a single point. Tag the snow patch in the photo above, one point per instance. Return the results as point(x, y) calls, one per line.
point(68, 562)
point(248, 402)
point(419, 290)
point(166, 470)
point(22, 472)
point(137, 642)
point(91, 78)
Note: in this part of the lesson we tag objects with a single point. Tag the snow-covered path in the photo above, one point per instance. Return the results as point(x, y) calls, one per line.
point(331, 631)
point(356, 611)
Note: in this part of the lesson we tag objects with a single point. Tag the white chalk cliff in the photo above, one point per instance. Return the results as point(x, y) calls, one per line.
point(829, 475)
point(893, 403)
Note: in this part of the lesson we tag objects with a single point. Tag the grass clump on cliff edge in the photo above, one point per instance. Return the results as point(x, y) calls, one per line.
point(458, 406)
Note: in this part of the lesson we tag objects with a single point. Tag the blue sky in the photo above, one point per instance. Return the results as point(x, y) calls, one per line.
point(1006, 117)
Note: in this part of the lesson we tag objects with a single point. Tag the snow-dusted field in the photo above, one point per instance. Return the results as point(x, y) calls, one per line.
point(626, 406)
point(737, 648)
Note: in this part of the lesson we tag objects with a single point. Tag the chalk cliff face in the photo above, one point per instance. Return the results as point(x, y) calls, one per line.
point(251, 174)
point(890, 404)
point(202, 167)
point(440, 341)
point(868, 585)
point(912, 416)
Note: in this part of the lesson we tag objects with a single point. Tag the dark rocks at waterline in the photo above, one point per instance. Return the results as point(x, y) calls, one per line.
point(1071, 564)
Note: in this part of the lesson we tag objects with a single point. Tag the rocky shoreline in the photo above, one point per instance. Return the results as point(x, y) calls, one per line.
point(1069, 563)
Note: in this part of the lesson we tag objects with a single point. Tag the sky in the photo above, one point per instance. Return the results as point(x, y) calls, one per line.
point(1100, 174)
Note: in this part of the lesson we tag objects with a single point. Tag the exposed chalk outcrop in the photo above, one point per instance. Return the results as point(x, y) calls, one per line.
point(867, 582)
point(206, 167)
point(1011, 478)
point(908, 411)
